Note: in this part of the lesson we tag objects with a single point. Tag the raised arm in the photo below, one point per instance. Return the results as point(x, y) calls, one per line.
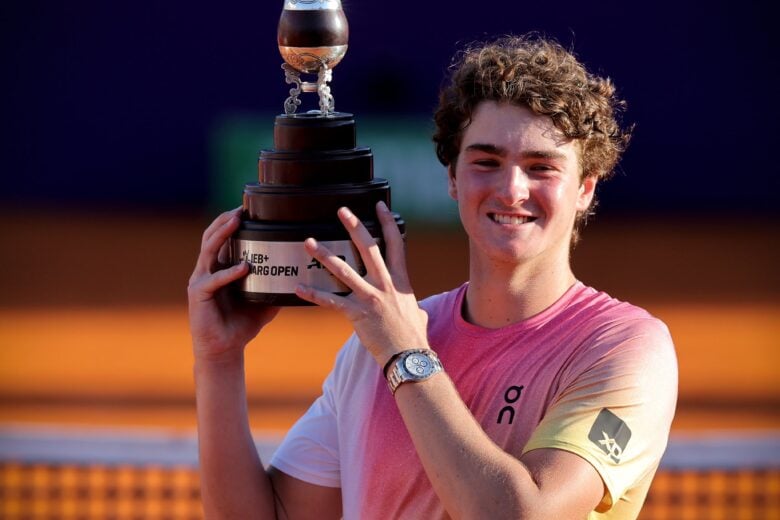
point(234, 483)
point(473, 477)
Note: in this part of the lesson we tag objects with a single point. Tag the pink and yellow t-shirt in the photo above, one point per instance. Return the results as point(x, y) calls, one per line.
point(590, 375)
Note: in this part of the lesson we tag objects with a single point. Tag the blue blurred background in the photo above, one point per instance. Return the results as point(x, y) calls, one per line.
point(118, 114)
point(119, 104)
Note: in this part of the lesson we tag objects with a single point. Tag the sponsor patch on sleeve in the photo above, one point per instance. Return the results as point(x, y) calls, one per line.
point(610, 434)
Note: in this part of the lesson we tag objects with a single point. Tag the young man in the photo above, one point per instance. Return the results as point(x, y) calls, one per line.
point(521, 394)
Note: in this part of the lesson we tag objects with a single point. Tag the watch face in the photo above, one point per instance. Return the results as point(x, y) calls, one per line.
point(418, 365)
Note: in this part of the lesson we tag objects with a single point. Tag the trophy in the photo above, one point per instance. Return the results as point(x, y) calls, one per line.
point(314, 168)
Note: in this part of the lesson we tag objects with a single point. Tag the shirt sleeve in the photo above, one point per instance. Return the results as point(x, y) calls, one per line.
point(310, 450)
point(616, 405)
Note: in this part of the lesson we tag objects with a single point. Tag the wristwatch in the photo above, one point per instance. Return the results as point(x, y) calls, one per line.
point(411, 366)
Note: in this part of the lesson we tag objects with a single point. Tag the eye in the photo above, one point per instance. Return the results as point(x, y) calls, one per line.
point(486, 163)
point(541, 167)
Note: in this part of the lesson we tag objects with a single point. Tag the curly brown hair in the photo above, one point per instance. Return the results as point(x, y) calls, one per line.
point(540, 74)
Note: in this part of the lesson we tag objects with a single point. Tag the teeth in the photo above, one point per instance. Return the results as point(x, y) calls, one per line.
point(508, 219)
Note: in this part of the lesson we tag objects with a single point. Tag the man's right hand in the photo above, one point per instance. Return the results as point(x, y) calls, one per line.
point(233, 481)
point(221, 326)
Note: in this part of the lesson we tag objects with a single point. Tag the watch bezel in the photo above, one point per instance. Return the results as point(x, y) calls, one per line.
point(400, 374)
point(427, 368)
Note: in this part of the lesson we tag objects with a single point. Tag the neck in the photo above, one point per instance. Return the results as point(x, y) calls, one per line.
point(499, 295)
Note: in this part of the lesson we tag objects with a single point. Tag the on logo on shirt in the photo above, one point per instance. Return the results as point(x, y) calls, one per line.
point(511, 395)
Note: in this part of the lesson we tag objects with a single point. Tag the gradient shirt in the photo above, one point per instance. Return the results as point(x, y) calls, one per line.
point(590, 375)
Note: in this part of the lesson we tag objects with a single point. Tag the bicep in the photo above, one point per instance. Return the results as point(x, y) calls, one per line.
point(569, 486)
point(295, 498)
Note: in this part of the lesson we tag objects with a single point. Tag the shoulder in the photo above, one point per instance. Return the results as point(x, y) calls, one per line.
point(617, 337)
point(609, 321)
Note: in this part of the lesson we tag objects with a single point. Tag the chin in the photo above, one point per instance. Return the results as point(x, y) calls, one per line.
point(511, 255)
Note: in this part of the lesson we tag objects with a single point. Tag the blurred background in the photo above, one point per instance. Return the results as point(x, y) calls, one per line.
point(126, 127)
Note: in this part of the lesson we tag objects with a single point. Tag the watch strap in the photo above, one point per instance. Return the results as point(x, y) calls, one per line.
point(390, 361)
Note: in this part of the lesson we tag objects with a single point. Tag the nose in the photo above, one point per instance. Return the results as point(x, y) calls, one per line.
point(514, 186)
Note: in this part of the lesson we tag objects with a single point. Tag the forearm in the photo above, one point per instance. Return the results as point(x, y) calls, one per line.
point(472, 476)
point(233, 481)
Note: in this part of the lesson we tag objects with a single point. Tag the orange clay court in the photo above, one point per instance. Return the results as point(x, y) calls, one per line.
point(133, 366)
point(93, 329)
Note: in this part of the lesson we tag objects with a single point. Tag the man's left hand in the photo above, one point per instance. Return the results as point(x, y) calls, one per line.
point(382, 306)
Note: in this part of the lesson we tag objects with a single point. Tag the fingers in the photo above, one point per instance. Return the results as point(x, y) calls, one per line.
point(329, 301)
point(223, 257)
point(338, 267)
point(204, 287)
point(214, 238)
point(365, 243)
point(395, 250)
point(219, 222)
point(368, 248)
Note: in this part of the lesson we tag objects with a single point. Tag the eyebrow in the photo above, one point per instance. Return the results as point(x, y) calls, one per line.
point(487, 148)
point(502, 152)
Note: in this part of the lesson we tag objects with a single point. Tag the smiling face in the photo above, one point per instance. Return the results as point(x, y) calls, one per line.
point(518, 185)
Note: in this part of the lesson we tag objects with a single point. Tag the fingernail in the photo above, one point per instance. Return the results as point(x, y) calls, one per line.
point(382, 206)
point(345, 212)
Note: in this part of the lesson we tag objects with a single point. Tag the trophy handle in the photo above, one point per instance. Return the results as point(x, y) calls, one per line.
point(321, 87)
point(292, 77)
point(327, 103)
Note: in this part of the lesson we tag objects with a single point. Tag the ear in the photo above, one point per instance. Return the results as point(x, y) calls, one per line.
point(452, 187)
point(586, 193)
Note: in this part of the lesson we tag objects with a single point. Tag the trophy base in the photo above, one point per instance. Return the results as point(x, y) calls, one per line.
point(314, 169)
point(279, 263)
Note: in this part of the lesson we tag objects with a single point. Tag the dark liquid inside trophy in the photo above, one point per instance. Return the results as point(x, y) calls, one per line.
point(314, 168)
